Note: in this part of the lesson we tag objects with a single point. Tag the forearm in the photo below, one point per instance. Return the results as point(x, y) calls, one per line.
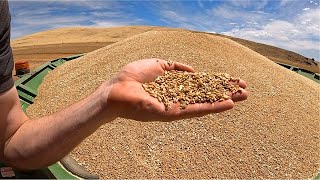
point(41, 142)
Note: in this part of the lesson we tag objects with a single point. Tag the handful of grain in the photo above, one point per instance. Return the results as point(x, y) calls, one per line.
point(190, 88)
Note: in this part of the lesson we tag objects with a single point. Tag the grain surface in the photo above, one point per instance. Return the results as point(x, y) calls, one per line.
point(190, 88)
point(273, 134)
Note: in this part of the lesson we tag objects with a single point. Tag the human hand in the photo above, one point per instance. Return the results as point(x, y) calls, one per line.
point(126, 97)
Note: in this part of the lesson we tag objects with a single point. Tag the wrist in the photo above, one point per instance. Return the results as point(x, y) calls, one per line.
point(107, 106)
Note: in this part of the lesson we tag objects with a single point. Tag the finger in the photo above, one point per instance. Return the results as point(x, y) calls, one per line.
point(216, 107)
point(199, 109)
point(241, 95)
point(182, 67)
point(167, 65)
point(240, 82)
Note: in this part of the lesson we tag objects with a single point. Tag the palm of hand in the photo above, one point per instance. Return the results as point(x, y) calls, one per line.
point(131, 101)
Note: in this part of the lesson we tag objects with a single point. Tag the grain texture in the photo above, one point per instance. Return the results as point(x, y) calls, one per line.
point(190, 88)
point(273, 134)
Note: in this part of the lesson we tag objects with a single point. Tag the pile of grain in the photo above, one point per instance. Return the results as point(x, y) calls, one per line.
point(190, 88)
point(273, 134)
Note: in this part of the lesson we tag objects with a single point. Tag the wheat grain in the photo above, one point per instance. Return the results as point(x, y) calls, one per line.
point(190, 88)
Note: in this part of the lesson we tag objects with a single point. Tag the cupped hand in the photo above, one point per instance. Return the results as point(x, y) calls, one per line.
point(126, 97)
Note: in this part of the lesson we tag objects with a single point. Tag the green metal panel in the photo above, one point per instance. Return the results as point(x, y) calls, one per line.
point(60, 173)
point(301, 72)
point(27, 85)
point(310, 76)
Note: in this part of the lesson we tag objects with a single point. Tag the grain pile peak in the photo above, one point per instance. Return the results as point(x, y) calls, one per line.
point(190, 88)
point(271, 135)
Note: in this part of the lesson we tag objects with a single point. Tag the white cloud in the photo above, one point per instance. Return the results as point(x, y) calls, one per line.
point(113, 14)
point(48, 20)
point(278, 26)
point(312, 2)
point(248, 3)
point(174, 16)
point(112, 23)
point(175, 19)
point(200, 4)
point(285, 2)
point(91, 4)
point(280, 39)
point(260, 12)
point(309, 21)
point(34, 16)
point(109, 24)
point(306, 9)
point(239, 15)
point(298, 35)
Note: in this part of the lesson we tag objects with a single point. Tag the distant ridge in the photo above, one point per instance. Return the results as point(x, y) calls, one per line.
point(47, 45)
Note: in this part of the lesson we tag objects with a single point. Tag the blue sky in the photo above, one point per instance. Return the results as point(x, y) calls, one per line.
point(289, 24)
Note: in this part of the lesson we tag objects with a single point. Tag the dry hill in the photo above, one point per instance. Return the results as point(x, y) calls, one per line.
point(43, 46)
point(272, 134)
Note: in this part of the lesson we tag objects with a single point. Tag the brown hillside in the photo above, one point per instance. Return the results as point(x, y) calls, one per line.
point(271, 135)
point(43, 46)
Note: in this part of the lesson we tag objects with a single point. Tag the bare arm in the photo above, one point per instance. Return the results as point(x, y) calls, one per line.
point(31, 144)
